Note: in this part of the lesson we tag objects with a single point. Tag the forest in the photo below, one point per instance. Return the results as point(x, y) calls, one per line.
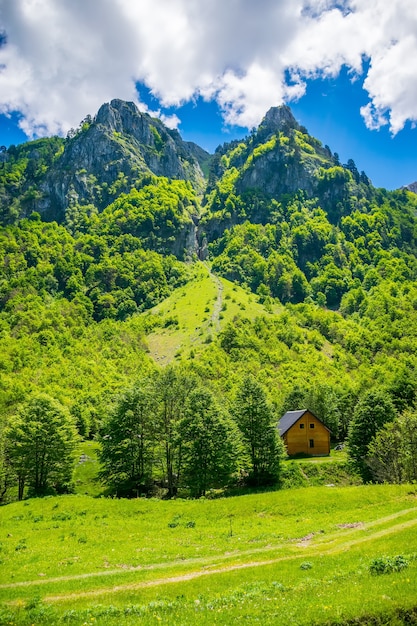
point(303, 276)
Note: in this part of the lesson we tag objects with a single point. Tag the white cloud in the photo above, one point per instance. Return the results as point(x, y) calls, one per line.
point(64, 58)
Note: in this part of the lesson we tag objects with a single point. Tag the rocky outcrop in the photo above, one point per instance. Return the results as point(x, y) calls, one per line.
point(106, 157)
point(411, 187)
point(285, 166)
point(277, 119)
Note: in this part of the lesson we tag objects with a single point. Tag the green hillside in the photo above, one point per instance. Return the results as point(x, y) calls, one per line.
point(285, 267)
point(195, 315)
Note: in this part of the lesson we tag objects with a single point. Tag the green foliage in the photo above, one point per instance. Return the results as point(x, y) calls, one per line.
point(21, 173)
point(388, 564)
point(158, 214)
point(392, 453)
point(373, 411)
point(128, 441)
point(105, 277)
point(210, 443)
point(40, 441)
point(255, 419)
point(173, 387)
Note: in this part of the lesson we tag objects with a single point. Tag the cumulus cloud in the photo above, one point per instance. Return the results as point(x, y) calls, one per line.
point(61, 59)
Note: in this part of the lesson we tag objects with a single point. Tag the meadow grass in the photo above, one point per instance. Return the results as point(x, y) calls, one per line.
point(196, 312)
point(296, 556)
point(86, 469)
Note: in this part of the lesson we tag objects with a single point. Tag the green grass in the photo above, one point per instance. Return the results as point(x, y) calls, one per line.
point(289, 557)
point(86, 469)
point(195, 313)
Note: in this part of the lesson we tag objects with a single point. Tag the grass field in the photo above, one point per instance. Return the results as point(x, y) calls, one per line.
point(297, 556)
point(194, 314)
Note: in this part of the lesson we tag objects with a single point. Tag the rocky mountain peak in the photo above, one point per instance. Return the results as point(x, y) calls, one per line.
point(412, 187)
point(278, 119)
point(108, 156)
point(124, 117)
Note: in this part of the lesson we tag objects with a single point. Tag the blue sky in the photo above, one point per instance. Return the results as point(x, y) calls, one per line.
point(347, 69)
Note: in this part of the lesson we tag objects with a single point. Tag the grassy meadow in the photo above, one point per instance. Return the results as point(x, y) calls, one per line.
point(298, 556)
point(189, 319)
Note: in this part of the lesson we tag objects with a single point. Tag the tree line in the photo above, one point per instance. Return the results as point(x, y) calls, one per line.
point(170, 432)
point(167, 429)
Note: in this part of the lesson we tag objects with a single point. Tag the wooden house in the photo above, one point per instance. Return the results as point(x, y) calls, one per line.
point(303, 433)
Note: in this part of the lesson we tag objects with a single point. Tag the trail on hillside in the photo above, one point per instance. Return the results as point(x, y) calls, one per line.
point(215, 318)
point(323, 546)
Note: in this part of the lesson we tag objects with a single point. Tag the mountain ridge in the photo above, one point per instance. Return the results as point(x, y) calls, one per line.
point(108, 154)
point(321, 300)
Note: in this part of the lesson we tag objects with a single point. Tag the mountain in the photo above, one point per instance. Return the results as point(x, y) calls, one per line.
point(105, 156)
point(411, 187)
point(280, 159)
point(117, 257)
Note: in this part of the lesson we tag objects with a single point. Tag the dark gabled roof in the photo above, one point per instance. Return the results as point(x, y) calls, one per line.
point(291, 417)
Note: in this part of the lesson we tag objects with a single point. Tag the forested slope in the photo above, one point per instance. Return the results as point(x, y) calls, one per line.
point(309, 281)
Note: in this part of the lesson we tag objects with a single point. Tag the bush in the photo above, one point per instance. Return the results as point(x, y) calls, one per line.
point(388, 564)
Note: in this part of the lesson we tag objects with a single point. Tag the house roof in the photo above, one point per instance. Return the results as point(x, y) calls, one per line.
point(291, 417)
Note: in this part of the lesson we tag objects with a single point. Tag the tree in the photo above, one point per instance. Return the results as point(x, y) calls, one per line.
point(40, 441)
point(7, 477)
point(128, 441)
point(403, 390)
point(172, 389)
point(323, 401)
point(256, 421)
point(408, 428)
point(392, 453)
point(384, 454)
point(372, 412)
point(210, 441)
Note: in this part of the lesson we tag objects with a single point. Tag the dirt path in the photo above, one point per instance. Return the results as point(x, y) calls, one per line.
point(215, 318)
point(228, 568)
point(323, 546)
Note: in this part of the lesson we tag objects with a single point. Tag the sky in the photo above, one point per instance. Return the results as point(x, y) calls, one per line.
point(212, 69)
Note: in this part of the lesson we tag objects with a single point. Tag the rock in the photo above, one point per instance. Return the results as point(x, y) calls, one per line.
point(106, 158)
point(411, 187)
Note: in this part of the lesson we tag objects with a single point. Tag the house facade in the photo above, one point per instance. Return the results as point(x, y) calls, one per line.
point(304, 433)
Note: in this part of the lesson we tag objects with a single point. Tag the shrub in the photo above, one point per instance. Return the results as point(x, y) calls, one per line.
point(388, 564)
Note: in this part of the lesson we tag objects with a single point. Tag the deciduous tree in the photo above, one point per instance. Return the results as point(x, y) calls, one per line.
point(211, 443)
point(40, 441)
point(373, 410)
point(173, 386)
point(255, 419)
point(128, 441)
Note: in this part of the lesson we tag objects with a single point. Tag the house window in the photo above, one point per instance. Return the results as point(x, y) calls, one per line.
point(311, 443)
point(301, 425)
point(311, 425)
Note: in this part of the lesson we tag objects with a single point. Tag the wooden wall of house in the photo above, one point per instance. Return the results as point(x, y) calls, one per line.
point(307, 436)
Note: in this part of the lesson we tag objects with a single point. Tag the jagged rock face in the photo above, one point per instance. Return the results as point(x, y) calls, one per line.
point(412, 187)
point(107, 158)
point(277, 119)
point(276, 174)
point(285, 168)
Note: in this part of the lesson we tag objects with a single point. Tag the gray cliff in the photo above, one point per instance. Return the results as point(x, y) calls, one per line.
point(106, 157)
